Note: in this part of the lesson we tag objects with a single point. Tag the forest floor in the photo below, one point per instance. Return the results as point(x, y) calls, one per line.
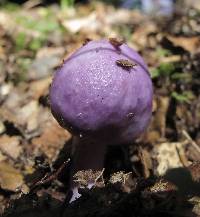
point(158, 174)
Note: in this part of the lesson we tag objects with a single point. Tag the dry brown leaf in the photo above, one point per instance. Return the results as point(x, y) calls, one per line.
point(24, 112)
point(15, 99)
point(170, 59)
point(182, 154)
point(10, 178)
point(90, 22)
point(157, 128)
point(151, 136)
point(140, 36)
point(160, 116)
point(2, 127)
point(2, 157)
point(195, 171)
point(146, 162)
point(46, 60)
point(40, 88)
point(167, 157)
point(28, 115)
point(5, 89)
point(192, 154)
point(195, 201)
point(10, 26)
point(191, 44)
point(10, 146)
point(192, 4)
point(52, 138)
point(2, 53)
point(102, 18)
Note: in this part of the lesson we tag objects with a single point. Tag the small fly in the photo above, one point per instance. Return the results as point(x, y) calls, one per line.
point(126, 64)
point(116, 42)
point(86, 41)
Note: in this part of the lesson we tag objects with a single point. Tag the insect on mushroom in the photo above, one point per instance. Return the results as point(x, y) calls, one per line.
point(116, 42)
point(76, 94)
point(127, 64)
point(86, 41)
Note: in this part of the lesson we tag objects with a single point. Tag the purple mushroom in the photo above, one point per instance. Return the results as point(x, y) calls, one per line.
point(102, 94)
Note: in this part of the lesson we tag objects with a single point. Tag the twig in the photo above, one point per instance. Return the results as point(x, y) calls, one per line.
point(193, 143)
point(99, 176)
point(181, 154)
point(31, 3)
point(49, 176)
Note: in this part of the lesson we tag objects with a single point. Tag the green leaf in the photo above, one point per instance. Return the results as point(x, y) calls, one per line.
point(155, 73)
point(161, 52)
point(164, 69)
point(10, 7)
point(182, 76)
point(186, 96)
point(20, 41)
point(66, 4)
point(35, 44)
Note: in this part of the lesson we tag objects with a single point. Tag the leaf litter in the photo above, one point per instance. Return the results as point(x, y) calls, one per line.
point(156, 175)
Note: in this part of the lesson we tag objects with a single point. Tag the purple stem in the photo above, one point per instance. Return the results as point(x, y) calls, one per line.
point(87, 154)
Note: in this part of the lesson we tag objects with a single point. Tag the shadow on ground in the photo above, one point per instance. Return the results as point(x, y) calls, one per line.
point(150, 197)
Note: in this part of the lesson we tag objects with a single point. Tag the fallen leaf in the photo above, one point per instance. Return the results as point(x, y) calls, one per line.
point(10, 146)
point(140, 35)
point(40, 87)
point(167, 157)
point(10, 178)
point(46, 60)
point(2, 127)
point(170, 59)
point(191, 44)
point(195, 202)
point(160, 115)
point(195, 171)
point(12, 28)
point(2, 157)
point(23, 112)
point(146, 161)
point(28, 115)
point(75, 25)
point(52, 138)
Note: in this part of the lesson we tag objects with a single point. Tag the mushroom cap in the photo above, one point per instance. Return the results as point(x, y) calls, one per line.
point(93, 95)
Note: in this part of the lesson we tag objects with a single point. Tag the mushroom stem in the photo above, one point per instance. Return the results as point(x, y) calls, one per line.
point(88, 154)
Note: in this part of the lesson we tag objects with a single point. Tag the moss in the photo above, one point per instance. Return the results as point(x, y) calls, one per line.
point(164, 69)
